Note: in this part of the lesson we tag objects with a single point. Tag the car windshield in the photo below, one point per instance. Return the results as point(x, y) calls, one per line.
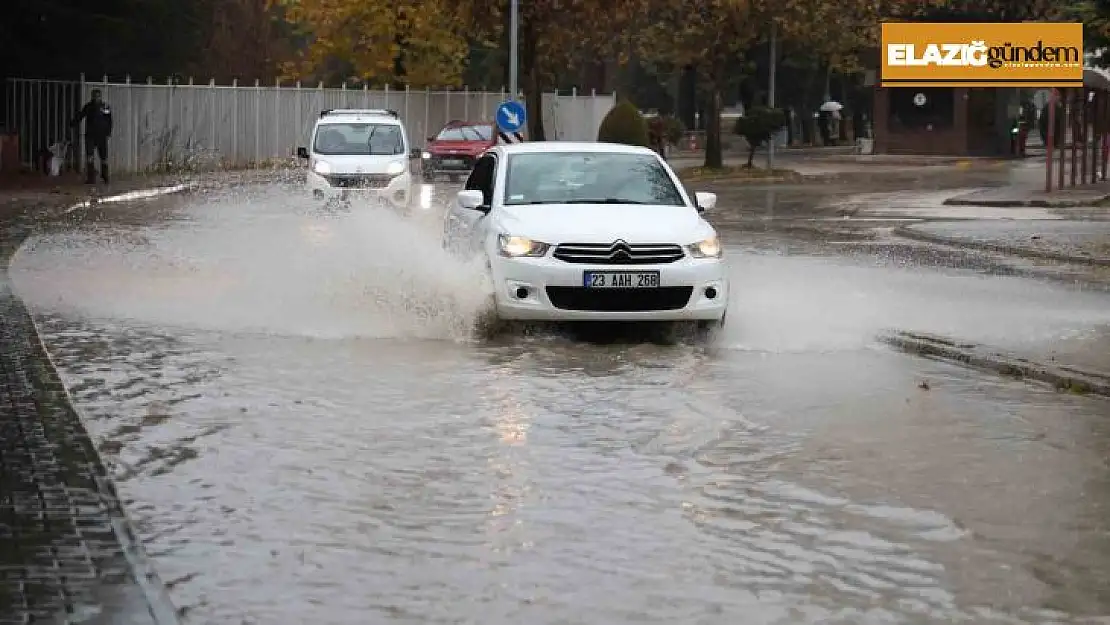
point(465, 133)
point(589, 178)
point(359, 139)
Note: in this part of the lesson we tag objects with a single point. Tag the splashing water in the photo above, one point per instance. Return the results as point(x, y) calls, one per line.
point(261, 263)
point(801, 303)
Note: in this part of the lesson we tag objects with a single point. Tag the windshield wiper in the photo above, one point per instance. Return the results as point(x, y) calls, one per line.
point(608, 200)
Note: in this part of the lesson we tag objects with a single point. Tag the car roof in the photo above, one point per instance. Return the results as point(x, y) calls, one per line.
point(458, 123)
point(556, 147)
point(357, 118)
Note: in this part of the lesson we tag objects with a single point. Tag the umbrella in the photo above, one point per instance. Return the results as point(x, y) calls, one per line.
point(831, 106)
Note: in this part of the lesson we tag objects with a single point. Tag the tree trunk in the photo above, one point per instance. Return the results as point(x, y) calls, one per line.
point(531, 83)
point(714, 159)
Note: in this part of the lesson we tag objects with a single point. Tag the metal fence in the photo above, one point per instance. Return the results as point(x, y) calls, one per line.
point(174, 125)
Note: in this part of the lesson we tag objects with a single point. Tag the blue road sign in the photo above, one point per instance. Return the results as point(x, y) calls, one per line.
point(511, 116)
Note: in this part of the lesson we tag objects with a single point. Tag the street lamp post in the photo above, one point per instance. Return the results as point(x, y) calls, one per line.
point(514, 26)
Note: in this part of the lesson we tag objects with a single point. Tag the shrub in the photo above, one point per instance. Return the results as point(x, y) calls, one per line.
point(623, 124)
point(758, 125)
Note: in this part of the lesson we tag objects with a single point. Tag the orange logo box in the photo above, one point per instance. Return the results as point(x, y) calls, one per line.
point(1022, 54)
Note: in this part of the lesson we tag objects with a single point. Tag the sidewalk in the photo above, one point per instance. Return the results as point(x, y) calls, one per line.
point(813, 164)
point(1069, 241)
point(67, 553)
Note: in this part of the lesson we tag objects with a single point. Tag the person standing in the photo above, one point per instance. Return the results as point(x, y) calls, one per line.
point(98, 128)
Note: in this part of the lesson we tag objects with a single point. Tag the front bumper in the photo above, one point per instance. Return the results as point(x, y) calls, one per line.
point(396, 193)
point(689, 290)
point(454, 164)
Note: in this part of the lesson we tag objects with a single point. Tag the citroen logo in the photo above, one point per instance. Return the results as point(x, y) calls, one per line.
point(620, 249)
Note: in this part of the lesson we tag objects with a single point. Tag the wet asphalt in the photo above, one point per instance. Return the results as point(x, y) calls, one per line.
point(304, 427)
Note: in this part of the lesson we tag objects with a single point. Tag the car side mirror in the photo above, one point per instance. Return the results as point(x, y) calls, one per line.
point(472, 199)
point(431, 139)
point(705, 201)
point(302, 152)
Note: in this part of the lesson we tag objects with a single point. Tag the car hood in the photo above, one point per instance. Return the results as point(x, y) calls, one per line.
point(363, 164)
point(457, 147)
point(604, 223)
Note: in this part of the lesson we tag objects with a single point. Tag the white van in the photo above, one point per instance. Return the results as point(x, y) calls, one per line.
point(360, 153)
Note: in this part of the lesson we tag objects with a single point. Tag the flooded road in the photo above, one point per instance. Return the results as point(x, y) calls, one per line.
point(305, 430)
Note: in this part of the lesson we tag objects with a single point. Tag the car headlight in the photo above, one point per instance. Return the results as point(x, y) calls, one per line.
point(322, 167)
point(425, 155)
point(396, 168)
point(709, 248)
point(519, 247)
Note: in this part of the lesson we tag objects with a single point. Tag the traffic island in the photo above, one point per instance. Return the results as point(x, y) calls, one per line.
point(1060, 376)
point(67, 553)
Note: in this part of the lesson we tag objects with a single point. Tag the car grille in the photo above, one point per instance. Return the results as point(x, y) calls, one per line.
point(618, 253)
point(359, 181)
point(619, 300)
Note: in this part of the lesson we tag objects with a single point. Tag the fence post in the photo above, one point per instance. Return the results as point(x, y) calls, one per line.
point(235, 121)
point(407, 104)
point(427, 107)
point(212, 116)
point(80, 135)
point(466, 102)
point(385, 98)
point(167, 141)
point(299, 112)
point(277, 117)
point(257, 122)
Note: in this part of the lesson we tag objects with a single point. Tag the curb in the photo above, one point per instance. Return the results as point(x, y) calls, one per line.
point(1061, 377)
point(154, 591)
point(956, 201)
point(908, 232)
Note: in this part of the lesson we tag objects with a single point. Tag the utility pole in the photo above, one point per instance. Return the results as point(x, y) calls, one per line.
point(770, 94)
point(514, 26)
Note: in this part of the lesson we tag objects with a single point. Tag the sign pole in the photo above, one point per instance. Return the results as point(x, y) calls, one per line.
point(514, 28)
point(1051, 112)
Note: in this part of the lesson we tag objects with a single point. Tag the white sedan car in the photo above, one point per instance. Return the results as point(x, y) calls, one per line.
point(590, 232)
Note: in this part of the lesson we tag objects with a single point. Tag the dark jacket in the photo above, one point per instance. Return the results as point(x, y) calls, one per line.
point(98, 119)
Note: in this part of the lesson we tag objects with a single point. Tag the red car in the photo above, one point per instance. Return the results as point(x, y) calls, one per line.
point(454, 149)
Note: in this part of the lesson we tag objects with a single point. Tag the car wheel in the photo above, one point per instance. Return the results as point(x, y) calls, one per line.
point(710, 328)
point(488, 323)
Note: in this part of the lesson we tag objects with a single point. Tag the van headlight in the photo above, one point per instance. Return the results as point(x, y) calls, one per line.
point(322, 167)
point(709, 248)
point(520, 247)
point(396, 168)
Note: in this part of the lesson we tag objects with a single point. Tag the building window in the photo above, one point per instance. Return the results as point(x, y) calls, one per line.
point(922, 108)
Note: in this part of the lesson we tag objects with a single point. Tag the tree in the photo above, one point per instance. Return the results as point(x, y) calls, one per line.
point(710, 35)
point(421, 43)
point(554, 36)
point(757, 126)
point(244, 39)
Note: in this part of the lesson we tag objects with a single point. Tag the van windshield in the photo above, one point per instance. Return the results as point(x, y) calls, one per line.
point(359, 139)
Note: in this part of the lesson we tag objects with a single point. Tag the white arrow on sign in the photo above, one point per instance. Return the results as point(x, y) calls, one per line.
point(514, 119)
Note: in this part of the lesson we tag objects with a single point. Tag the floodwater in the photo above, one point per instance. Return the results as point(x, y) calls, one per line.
point(306, 429)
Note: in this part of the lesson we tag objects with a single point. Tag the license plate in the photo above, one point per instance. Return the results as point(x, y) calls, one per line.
point(452, 162)
point(620, 279)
